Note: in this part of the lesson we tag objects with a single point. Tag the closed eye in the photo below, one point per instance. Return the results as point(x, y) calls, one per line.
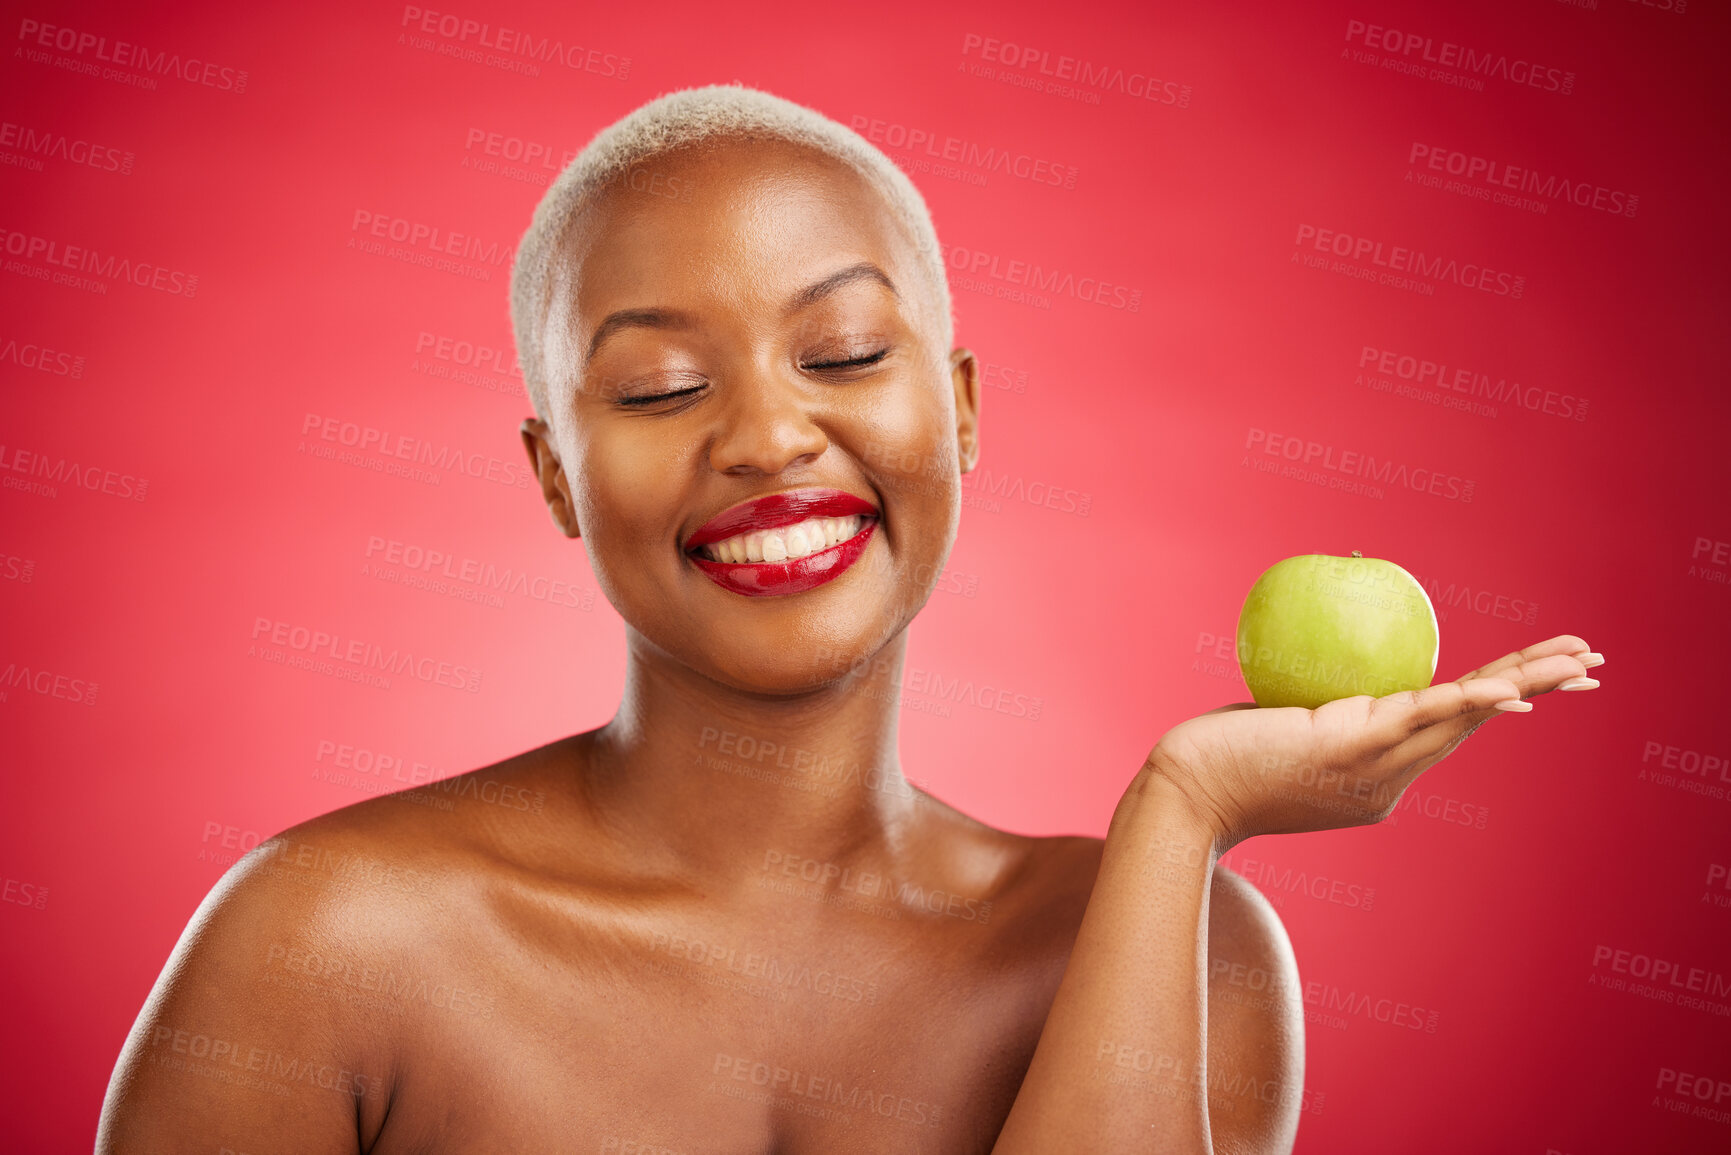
point(864, 362)
point(850, 363)
point(654, 397)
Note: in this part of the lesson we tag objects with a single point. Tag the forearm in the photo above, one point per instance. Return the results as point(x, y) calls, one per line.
point(1121, 1063)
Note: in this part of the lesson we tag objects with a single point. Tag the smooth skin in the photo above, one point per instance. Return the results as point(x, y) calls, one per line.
point(725, 921)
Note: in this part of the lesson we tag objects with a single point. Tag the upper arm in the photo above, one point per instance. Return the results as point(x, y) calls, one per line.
point(1255, 1023)
point(236, 1049)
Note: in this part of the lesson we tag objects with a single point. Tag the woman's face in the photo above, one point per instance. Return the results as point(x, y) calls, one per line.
point(702, 351)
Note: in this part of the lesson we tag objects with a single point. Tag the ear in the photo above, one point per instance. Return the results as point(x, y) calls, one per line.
point(544, 460)
point(965, 375)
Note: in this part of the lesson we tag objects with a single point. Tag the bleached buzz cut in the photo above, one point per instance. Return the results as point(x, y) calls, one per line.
point(677, 120)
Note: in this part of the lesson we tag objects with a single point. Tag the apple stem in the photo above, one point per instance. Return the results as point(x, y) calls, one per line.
point(1355, 553)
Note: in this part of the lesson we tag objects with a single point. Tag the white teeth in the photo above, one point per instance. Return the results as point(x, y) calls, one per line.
point(785, 543)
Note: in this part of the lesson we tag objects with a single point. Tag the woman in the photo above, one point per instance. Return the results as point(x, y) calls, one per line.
point(734, 324)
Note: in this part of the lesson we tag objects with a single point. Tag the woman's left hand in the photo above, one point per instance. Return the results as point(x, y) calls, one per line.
point(1277, 770)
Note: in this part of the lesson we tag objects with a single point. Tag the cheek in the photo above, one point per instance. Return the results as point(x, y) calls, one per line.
point(910, 443)
point(623, 496)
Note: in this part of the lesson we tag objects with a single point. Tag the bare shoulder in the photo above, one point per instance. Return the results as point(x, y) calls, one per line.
point(1243, 924)
point(1041, 879)
point(280, 1010)
point(1255, 1007)
point(1255, 1021)
point(1244, 929)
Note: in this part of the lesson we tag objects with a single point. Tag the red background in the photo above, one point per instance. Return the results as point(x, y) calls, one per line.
point(1598, 821)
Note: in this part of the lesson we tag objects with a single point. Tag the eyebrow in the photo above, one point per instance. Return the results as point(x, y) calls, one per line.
point(864, 271)
point(674, 319)
point(638, 319)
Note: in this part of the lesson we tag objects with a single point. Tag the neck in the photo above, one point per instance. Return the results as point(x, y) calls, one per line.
point(695, 776)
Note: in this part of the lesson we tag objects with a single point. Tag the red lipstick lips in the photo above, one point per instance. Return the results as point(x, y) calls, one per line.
point(772, 511)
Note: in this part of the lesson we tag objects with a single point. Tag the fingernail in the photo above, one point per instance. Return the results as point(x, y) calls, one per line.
point(1514, 706)
point(1590, 659)
point(1579, 684)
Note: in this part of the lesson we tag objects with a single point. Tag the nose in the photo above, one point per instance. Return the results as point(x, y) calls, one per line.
point(766, 426)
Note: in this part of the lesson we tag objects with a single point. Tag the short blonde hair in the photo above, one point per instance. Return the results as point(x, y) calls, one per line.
point(673, 121)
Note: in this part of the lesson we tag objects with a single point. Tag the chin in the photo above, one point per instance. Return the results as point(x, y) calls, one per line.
point(792, 662)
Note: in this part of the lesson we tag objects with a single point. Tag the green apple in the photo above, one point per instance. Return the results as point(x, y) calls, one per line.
point(1318, 627)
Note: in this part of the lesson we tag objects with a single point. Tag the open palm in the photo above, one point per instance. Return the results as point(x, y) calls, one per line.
point(1278, 770)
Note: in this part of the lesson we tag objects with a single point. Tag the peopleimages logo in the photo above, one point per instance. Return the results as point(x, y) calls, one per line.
point(55, 471)
point(1353, 463)
point(1671, 981)
point(517, 150)
point(511, 49)
point(35, 35)
point(1418, 50)
point(83, 259)
point(468, 354)
point(34, 145)
point(1332, 1001)
point(432, 238)
point(967, 153)
point(1424, 371)
point(386, 452)
point(1491, 177)
point(1009, 487)
point(357, 652)
point(415, 565)
point(47, 683)
point(870, 884)
point(41, 358)
point(1063, 71)
point(1398, 259)
point(1266, 876)
point(971, 264)
point(1488, 603)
